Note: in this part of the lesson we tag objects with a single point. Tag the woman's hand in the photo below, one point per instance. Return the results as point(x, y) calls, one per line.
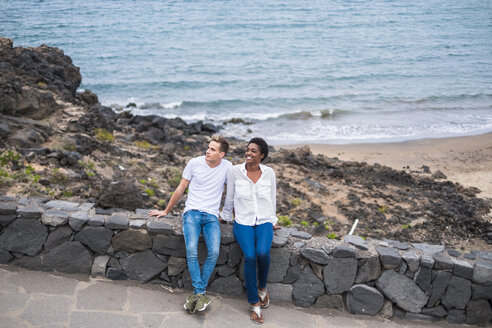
point(158, 213)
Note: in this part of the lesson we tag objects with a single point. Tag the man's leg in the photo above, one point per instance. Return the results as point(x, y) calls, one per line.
point(211, 234)
point(191, 231)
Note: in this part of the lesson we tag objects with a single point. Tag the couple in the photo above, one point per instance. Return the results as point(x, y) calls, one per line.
point(251, 198)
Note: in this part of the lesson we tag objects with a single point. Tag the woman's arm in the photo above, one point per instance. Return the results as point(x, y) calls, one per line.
point(228, 208)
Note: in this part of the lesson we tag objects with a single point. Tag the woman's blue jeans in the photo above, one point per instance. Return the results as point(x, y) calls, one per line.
point(194, 223)
point(255, 242)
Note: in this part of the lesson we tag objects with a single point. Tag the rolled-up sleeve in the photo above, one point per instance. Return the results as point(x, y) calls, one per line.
point(226, 213)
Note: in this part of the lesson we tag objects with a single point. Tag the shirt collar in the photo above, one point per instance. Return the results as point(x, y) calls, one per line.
point(243, 169)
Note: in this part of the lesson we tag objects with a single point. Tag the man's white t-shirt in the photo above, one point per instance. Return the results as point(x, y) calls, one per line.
point(206, 184)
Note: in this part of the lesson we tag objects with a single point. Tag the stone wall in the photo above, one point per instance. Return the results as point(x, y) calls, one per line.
point(389, 278)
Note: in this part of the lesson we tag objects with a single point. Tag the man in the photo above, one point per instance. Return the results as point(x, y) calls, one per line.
point(205, 176)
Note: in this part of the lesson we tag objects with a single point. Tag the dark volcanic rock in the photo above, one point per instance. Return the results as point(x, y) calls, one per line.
point(96, 238)
point(362, 299)
point(57, 237)
point(339, 275)
point(69, 257)
point(439, 285)
point(390, 258)
point(5, 256)
point(307, 288)
point(316, 255)
point(369, 268)
point(24, 236)
point(402, 290)
point(122, 194)
point(142, 266)
point(131, 240)
point(457, 294)
point(230, 285)
point(478, 312)
point(279, 263)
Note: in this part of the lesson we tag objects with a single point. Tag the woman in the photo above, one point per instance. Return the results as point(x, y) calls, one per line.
point(251, 193)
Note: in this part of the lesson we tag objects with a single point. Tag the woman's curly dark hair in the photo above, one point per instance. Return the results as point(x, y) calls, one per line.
point(263, 146)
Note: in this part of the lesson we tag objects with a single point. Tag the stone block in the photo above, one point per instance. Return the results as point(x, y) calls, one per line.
point(301, 235)
point(356, 241)
point(97, 239)
point(142, 266)
point(5, 220)
point(482, 272)
point(330, 302)
point(412, 259)
point(24, 236)
point(131, 240)
point(402, 291)
point(138, 224)
point(115, 274)
point(462, 269)
point(96, 221)
point(423, 278)
point(69, 257)
point(54, 217)
point(307, 288)
point(226, 234)
point(456, 316)
point(362, 299)
point(390, 257)
point(316, 255)
point(443, 262)
point(224, 270)
point(280, 292)
point(438, 311)
point(5, 256)
point(99, 266)
point(341, 251)
point(62, 205)
point(57, 237)
point(8, 208)
point(160, 226)
point(279, 263)
point(117, 221)
point(293, 273)
point(420, 317)
point(234, 255)
point(481, 291)
point(77, 219)
point(230, 285)
point(339, 275)
point(428, 248)
point(439, 286)
point(175, 265)
point(478, 312)
point(457, 294)
point(169, 245)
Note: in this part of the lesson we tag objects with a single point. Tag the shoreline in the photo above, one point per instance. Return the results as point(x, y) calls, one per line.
point(465, 159)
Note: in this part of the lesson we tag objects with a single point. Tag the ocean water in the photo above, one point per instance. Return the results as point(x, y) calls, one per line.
point(300, 71)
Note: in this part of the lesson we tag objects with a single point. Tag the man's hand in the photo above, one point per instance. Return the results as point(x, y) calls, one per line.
point(222, 221)
point(157, 213)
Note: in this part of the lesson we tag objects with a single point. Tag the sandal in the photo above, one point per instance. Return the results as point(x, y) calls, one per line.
point(264, 298)
point(256, 310)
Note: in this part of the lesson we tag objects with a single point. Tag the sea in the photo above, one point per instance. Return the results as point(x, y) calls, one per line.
point(300, 71)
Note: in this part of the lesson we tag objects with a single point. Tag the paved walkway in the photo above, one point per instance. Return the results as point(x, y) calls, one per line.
point(54, 300)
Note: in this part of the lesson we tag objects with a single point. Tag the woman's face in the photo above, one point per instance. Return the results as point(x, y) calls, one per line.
point(253, 154)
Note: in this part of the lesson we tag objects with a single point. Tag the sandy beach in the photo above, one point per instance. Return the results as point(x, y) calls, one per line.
point(467, 160)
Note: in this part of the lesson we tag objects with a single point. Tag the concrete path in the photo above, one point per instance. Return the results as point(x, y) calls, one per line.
point(55, 300)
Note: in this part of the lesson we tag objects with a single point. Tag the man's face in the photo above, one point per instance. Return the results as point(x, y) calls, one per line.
point(213, 153)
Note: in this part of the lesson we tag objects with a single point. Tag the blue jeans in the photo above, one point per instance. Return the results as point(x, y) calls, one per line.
point(194, 223)
point(255, 242)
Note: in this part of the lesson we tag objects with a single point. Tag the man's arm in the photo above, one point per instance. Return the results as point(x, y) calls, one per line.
point(178, 193)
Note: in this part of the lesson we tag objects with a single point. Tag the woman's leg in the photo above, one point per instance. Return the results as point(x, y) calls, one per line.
point(264, 237)
point(245, 237)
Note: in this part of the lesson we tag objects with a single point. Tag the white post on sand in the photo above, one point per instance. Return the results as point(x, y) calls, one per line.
point(353, 227)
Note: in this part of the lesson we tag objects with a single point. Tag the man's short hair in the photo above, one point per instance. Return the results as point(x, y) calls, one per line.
point(224, 144)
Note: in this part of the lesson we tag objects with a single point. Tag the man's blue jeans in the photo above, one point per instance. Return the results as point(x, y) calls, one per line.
point(255, 242)
point(194, 223)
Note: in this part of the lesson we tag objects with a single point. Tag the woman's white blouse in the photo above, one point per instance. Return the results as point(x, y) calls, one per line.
point(253, 203)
